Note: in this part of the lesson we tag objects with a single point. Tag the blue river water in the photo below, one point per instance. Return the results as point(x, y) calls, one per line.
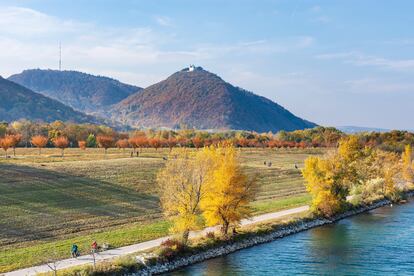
point(380, 242)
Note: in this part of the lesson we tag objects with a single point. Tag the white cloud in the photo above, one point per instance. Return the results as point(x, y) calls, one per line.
point(140, 55)
point(28, 23)
point(164, 21)
point(360, 59)
point(30, 39)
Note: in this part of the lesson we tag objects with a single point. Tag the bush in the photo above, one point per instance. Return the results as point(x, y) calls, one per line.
point(170, 249)
point(174, 244)
point(210, 235)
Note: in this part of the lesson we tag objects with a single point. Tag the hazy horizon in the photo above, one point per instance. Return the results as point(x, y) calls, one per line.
point(330, 62)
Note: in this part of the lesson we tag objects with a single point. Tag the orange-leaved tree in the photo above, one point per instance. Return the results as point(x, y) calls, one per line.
point(197, 142)
point(171, 142)
point(122, 144)
point(17, 138)
point(105, 142)
point(39, 141)
point(82, 145)
point(6, 142)
point(155, 143)
point(133, 141)
point(61, 142)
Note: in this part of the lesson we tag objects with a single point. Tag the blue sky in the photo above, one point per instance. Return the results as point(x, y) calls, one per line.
point(331, 62)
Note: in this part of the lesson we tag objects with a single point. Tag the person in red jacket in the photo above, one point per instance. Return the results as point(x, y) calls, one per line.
point(94, 247)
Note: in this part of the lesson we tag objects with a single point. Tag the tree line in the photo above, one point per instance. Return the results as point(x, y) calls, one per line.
point(61, 135)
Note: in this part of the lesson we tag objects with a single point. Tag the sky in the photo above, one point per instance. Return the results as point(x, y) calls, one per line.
point(332, 62)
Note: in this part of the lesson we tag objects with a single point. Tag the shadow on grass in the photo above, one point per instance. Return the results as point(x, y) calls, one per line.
point(38, 203)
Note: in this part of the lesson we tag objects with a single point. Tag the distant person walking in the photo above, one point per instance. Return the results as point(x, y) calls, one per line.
point(74, 251)
point(94, 247)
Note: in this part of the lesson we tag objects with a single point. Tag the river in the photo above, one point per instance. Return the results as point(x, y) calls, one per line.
point(380, 242)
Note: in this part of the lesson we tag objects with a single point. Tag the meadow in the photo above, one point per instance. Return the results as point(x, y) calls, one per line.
point(48, 202)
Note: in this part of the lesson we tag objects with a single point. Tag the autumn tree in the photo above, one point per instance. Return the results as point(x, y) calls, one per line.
point(327, 196)
point(197, 142)
point(6, 142)
point(364, 173)
point(133, 141)
point(330, 178)
point(351, 162)
point(155, 143)
point(389, 170)
point(408, 173)
point(272, 144)
point(243, 142)
point(40, 142)
point(139, 141)
point(82, 145)
point(122, 144)
point(105, 142)
point(181, 185)
point(142, 142)
point(229, 190)
point(171, 142)
point(17, 138)
point(61, 142)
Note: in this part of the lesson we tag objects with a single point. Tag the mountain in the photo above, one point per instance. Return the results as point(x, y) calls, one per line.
point(18, 102)
point(197, 98)
point(357, 129)
point(81, 91)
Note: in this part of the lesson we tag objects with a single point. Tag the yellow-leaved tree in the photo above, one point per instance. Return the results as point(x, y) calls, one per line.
point(181, 185)
point(352, 160)
point(387, 167)
point(363, 173)
point(407, 170)
point(327, 196)
point(229, 190)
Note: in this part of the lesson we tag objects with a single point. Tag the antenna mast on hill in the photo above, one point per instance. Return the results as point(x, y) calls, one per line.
point(60, 56)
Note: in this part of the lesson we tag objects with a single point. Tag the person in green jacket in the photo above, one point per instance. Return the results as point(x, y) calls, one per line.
point(74, 251)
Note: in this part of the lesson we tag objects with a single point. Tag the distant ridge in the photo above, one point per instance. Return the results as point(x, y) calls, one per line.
point(18, 102)
point(81, 91)
point(357, 129)
point(197, 98)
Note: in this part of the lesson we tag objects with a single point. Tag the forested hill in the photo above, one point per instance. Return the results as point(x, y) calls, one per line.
point(81, 91)
point(197, 98)
point(18, 102)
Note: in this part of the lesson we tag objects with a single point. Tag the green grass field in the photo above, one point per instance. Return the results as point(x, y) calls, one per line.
point(48, 202)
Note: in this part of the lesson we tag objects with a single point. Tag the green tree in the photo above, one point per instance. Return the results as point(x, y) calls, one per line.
point(91, 141)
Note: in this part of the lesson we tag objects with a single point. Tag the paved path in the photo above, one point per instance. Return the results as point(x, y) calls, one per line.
point(122, 251)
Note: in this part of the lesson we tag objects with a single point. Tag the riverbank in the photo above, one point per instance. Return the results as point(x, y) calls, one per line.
point(255, 239)
point(205, 247)
point(105, 257)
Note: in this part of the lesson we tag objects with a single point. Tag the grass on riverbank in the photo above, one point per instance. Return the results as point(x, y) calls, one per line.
point(30, 255)
point(47, 202)
point(129, 264)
